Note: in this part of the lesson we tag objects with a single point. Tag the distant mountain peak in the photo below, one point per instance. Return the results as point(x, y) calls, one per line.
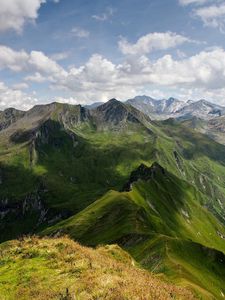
point(113, 100)
point(175, 108)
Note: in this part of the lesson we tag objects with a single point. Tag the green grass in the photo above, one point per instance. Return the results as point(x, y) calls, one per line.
point(61, 269)
point(162, 223)
point(83, 169)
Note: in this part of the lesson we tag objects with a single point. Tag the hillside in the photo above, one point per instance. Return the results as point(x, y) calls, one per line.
point(112, 175)
point(214, 128)
point(62, 269)
point(158, 219)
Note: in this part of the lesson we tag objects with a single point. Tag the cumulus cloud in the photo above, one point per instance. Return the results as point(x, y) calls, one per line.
point(14, 60)
point(43, 64)
point(100, 79)
point(35, 61)
point(151, 42)
point(15, 98)
point(15, 13)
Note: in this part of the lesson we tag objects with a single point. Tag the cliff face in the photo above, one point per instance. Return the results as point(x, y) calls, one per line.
point(10, 116)
point(144, 173)
point(115, 114)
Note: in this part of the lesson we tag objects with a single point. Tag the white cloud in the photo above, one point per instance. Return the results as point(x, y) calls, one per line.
point(36, 77)
point(197, 2)
point(100, 79)
point(212, 16)
point(43, 64)
point(151, 42)
point(15, 98)
point(20, 86)
point(109, 12)
point(15, 13)
point(210, 12)
point(35, 61)
point(79, 32)
point(14, 60)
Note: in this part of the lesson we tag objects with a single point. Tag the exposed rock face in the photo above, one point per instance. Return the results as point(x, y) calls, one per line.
point(116, 114)
point(156, 109)
point(174, 108)
point(57, 119)
point(72, 115)
point(9, 116)
point(179, 162)
point(32, 202)
point(201, 109)
point(112, 112)
point(32, 207)
point(144, 173)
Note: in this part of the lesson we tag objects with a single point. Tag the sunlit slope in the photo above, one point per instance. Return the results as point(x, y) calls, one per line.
point(33, 268)
point(161, 221)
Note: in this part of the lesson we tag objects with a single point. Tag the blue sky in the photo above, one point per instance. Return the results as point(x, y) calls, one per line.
point(85, 51)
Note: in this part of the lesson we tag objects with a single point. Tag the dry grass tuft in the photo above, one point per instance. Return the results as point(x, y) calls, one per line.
point(59, 268)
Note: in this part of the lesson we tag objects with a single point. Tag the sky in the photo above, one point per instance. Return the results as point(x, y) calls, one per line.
point(85, 51)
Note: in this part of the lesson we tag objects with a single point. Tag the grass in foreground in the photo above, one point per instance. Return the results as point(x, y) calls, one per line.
point(59, 268)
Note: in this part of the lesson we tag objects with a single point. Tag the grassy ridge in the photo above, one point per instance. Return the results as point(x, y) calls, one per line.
point(162, 223)
point(166, 223)
point(59, 268)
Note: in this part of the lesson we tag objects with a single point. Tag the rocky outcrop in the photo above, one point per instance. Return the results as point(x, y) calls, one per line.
point(115, 114)
point(144, 173)
point(179, 162)
point(32, 202)
point(31, 207)
point(9, 116)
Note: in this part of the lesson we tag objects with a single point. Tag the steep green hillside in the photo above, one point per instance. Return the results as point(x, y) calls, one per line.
point(214, 128)
point(163, 224)
point(64, 158)
point(66, 169)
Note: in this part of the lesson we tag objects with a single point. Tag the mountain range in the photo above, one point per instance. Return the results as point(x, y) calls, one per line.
point(114, 174)
point(166, 108)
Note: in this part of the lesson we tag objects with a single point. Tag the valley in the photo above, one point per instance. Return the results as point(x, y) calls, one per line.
point(114, 175)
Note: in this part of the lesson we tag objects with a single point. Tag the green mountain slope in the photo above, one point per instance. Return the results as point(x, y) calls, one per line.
point(68, 158)
point(64, 168)
point(162, 223)
point(214, 128)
